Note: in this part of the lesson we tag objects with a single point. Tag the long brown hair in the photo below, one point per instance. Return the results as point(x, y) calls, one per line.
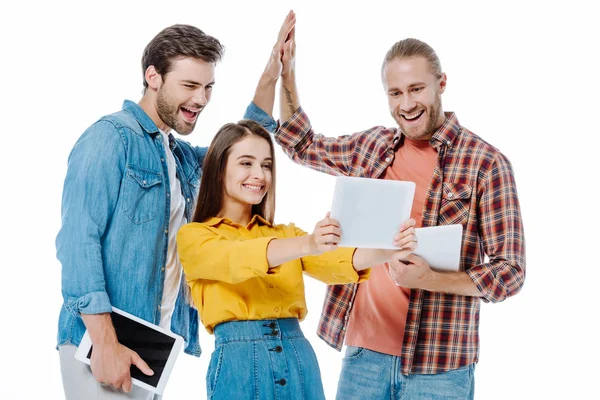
point(210, 198)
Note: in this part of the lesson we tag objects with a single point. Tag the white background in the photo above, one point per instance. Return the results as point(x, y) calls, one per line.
point(522, 76)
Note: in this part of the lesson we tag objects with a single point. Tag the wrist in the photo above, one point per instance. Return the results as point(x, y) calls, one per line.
point(100, 329)
point(289, 76)
point(268, 80)
point(307, 247)
point(105, 337)
point(431, 281)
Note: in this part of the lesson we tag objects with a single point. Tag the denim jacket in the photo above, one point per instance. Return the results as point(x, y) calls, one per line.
point(115, 218)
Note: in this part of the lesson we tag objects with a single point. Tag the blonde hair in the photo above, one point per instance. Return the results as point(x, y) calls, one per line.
point(409, 48)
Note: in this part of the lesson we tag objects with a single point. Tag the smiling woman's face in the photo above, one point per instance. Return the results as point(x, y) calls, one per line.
point(248, 174)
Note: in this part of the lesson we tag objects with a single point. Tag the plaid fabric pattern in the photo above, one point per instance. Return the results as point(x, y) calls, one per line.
point(472, 185)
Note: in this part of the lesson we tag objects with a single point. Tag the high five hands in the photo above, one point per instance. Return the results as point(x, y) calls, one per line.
point(282, 57)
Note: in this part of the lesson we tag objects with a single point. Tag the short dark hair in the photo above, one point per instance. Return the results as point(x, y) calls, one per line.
point(212, 186)
point(179, 41)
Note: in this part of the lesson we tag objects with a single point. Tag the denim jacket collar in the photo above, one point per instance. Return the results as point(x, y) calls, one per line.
point(140, 115)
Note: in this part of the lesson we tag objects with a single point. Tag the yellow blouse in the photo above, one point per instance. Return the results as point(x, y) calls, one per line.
point(226, 267)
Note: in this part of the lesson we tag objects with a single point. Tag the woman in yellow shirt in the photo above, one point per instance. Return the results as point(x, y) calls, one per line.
point(246, 274)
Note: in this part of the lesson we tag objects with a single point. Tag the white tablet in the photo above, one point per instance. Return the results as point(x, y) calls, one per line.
point(440, 246)
point(370, 211)
point(158, 347)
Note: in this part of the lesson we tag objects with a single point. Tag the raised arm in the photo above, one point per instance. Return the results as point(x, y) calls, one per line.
point(261, 107)
point(344, 155)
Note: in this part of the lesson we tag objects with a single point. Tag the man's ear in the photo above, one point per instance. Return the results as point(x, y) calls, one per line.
point(442, 83)
point(153, 78)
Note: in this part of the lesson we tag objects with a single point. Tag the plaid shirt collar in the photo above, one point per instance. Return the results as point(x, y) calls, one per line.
point(444, 135)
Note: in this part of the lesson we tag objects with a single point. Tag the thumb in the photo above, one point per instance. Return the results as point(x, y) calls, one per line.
point(328, 214)
point(141, 364)
point(287, 49)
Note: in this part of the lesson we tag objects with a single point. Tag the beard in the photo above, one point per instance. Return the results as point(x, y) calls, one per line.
point(169, 114)
point(431, 125)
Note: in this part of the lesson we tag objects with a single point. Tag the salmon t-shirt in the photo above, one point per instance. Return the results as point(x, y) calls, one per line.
point(378, 318)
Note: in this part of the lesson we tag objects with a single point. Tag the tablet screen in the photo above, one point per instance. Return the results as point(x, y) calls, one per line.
point(152, 346)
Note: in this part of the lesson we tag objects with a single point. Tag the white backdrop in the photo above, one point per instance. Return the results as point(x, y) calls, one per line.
point(521, 76)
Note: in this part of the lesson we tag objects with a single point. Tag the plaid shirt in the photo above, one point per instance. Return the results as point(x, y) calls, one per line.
point(472, 185)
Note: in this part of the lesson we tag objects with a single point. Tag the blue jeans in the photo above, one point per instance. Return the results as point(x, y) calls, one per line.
point(370, 375)
point(263, 360)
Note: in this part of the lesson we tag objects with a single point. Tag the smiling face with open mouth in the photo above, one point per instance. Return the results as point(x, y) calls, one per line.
point(414, 96)
point(185, 91)
point(248, 175)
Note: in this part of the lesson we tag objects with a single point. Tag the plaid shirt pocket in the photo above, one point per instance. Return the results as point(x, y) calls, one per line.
point(456, 204)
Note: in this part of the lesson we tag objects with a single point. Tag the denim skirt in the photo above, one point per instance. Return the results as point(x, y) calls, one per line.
point(263, 360)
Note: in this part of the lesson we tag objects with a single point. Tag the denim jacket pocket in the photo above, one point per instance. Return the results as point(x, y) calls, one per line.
point(141, 191)
point(456, 203)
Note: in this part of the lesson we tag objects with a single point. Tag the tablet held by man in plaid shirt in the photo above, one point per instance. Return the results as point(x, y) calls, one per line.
point(412, 332)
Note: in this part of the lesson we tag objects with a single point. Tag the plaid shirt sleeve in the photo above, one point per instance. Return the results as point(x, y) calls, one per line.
point(502, 235)
point(348, 155)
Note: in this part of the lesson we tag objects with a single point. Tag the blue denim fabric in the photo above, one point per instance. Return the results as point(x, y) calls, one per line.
point(255, 113)
point(115, 218)
point(368, 375)
point(263, 360)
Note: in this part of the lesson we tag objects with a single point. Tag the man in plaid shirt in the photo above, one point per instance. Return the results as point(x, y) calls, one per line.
point(412, 332)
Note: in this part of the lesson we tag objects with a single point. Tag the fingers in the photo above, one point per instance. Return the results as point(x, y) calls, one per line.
point(327, 238)
point(328, 234)
point(413, 259)
point(328, 221)
point(401, 257)
point(327, 246)
point(287, 27)
point(408, 241)
point(141, 364)
point(409, 223)
point(287, 50)
point(406, 229)
point(331, 239)
point(126, 384)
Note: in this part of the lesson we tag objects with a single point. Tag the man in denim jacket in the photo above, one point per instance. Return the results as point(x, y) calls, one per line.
point(130, 185)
